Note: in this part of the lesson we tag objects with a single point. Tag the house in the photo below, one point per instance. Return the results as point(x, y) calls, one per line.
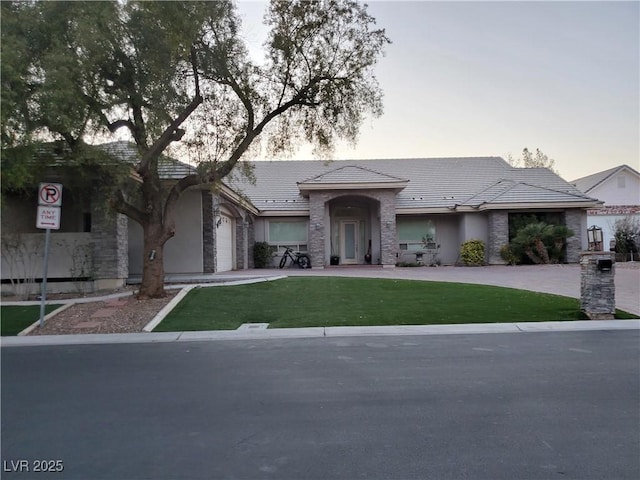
point(388, 207)
point(619, 189)
point(382, 212)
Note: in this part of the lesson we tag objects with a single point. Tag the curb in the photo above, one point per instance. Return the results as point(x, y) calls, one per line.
point(35, 324)
point(155, 321)
point(322, 332)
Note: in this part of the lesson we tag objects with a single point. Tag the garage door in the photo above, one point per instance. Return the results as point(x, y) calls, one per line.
point(224, 244)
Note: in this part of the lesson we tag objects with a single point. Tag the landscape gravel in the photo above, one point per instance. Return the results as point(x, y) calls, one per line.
point(121, 315)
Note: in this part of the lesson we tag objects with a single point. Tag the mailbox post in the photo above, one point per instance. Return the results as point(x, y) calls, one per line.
point(597, 287)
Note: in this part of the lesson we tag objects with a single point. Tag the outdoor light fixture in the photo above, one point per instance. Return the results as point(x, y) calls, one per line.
point(594, 237)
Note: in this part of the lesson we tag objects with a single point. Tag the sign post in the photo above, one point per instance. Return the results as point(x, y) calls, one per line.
point(48, 217)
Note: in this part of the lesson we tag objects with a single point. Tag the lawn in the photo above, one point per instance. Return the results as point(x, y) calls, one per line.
point(14, 319)
point(332, 301)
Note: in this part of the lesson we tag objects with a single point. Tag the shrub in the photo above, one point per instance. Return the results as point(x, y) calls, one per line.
point(508, 254)
point(627, 235)
point(472, 252)
point(261, 255)
point(540, 242)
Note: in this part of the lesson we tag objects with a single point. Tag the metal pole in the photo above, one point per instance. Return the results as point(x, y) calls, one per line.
point(43, 291)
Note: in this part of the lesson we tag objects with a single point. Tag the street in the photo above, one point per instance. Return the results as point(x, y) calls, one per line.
point(488, 406)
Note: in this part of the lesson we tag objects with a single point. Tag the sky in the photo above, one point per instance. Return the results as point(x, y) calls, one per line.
point(470, 79)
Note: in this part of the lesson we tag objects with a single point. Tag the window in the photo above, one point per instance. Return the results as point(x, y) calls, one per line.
point(288, 233)
point(416, 234)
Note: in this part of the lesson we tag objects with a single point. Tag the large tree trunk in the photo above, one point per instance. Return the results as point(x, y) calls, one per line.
point(153, 263)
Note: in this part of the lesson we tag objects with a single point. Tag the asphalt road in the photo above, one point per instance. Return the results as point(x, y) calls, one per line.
point(492, 406)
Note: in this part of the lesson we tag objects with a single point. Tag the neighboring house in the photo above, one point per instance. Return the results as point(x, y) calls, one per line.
point(619, 189)
point(363, 211)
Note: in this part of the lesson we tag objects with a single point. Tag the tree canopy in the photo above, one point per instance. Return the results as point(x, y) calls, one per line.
point(166, 74)
point(529, 159)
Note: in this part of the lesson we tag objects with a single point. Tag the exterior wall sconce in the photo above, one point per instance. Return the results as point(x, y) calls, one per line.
point(594, 237)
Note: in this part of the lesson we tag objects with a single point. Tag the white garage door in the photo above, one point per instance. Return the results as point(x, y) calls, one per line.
point(224, 244)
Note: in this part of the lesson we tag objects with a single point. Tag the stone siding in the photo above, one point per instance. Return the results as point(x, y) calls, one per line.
point(319, 229)
point(573, 220)
point(110, 237)
point(208, 233)
point(498, 236)
point(597, 287)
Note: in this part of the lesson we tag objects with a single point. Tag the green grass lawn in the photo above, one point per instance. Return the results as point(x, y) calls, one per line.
point(14, 319)
point(332, 301)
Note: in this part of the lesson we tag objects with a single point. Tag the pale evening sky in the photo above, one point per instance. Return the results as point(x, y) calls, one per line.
point(490, 78)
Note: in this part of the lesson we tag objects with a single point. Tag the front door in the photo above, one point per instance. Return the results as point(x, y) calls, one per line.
point(349, 241)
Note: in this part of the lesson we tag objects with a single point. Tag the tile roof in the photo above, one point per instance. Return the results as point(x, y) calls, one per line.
point(429, 183)
point(168, 168)
point(434, 183)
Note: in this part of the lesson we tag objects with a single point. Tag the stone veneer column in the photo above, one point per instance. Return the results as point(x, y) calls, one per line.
point(597, 287)
point(573, 220)
point(110, 237)
point(498, 236)
point(208, 234)
point(251, 240)
point(242, 243)
point(317, 228)
point(388, 231)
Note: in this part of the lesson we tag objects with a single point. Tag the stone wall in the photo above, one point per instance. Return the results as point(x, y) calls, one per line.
point(597, 287)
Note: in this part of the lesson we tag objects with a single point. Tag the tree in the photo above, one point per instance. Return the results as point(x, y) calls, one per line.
point(627, 235)
point(540, 242)
point(178, 73)
point(531, 160)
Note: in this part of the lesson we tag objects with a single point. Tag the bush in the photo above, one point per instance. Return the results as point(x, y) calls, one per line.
point(627, 235)
point(508, 254)
point(472, 252)
point(261, 255)
point(540, 242)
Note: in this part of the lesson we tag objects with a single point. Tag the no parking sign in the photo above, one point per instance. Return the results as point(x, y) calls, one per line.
point(49, 203)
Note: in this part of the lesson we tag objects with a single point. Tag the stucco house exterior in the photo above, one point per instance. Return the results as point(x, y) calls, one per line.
point(619, 189)
point(382, 212)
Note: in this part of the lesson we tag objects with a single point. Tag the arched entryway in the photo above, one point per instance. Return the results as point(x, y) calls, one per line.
point(354, 230)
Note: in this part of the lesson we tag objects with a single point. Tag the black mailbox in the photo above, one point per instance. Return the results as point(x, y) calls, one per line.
point(604, 265)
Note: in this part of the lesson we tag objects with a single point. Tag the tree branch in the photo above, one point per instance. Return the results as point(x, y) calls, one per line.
point(120, 204)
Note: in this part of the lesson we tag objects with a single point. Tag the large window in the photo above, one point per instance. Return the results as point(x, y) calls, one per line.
point(416, 234)
point(288, 233)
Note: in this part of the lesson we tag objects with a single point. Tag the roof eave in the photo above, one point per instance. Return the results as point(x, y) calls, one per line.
point(531, 205)
point(396, 186)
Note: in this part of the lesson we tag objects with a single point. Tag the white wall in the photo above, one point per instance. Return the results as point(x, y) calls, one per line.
point(182, 253)
point(70, 255)
point(621, 189)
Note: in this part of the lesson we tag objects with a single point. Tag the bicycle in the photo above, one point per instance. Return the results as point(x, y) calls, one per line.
point(297, 258)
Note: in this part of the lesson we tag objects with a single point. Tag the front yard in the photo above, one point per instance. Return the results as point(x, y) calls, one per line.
point(335, 301)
